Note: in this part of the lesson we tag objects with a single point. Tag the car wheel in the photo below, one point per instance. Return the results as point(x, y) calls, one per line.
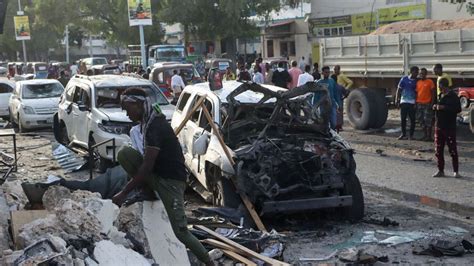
point(223, 191)
point(464, 102)
point(359, 106)
point(101, 164)
point(352, 187)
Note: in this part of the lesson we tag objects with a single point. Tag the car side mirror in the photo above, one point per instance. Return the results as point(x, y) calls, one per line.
point(200, 144)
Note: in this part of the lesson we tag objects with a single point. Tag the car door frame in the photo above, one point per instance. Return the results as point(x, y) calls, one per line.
point(15, 101)
point(81, 119)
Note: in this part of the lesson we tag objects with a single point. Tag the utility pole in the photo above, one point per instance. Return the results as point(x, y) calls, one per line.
point(142, 47)
point(21, 13)
point(67, 44)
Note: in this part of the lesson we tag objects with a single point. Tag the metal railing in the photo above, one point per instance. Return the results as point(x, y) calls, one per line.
point(91, 154)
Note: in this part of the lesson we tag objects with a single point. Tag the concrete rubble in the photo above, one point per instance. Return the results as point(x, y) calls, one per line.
point(94, 231)
point(147, 225)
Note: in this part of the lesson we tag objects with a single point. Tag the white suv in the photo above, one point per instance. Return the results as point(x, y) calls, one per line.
point(90, 112)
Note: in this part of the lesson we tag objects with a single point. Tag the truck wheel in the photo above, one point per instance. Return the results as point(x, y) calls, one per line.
point(379, 110)
point(359, 108)
point(352, 187)
point(464, 102)
point(223, 191)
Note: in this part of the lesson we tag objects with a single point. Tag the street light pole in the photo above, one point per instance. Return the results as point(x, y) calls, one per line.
point(67, 44)
point(142, 47)
point(22, 41)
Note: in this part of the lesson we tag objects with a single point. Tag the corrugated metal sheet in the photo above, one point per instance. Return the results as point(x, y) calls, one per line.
point(67, 159)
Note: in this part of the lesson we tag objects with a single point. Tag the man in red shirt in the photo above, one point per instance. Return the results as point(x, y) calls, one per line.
point(295, 73)
point(425, 98)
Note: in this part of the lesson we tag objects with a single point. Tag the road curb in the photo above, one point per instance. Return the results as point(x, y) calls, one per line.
point(460, 209)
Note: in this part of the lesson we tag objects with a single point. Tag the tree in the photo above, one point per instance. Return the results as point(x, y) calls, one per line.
point(210, 20)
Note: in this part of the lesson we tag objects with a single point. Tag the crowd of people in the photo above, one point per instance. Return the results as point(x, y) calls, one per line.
point(420, 99)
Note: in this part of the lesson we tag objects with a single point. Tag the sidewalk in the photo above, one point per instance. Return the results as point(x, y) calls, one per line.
point(411, 180)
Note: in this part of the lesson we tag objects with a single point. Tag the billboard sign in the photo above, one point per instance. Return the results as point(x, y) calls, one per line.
point(22, 28)
point(139, 12)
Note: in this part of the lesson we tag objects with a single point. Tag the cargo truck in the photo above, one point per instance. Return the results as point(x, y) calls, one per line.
point(377, 62)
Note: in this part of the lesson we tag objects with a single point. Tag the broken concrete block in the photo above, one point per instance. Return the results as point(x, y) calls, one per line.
point(216, 254)
point(110, 254)
point(20, 218)
point(74, 219)
point(53, 196)
point(105, 211)
point(9, 260)
point(32, 232)
point(147, 224)
point(14, 194)
point(119, 238)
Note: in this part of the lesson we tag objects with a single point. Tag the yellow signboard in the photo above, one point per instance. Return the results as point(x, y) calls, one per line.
point(363, 23)
point(139, 12)
point(22, 28)
point(388, 15)
point(366, 22)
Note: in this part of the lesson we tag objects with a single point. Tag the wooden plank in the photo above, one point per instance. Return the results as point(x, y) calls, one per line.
point(245, 199)
point(238, 257)
point(20, 218)
point(221, 245)
point(246, 251)
point(188, 116)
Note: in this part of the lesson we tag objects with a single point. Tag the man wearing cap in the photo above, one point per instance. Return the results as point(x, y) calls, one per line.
point(161, 167)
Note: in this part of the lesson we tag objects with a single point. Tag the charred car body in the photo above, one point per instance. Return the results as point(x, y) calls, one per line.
point(286, 157)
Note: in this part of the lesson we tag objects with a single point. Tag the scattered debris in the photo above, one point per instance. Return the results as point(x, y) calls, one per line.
point(359, 256)
point(384, 222)
point(369, 237)
point(319, 258)
point(53, 196)
point(439, 248)
point(43, 251)
point(380, 152)
point(393, 130)
point(67, 159)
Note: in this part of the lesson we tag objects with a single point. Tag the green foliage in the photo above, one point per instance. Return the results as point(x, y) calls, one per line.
point(208, 20)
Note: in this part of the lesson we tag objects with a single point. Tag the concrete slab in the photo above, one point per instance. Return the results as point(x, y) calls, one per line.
point(20, 218)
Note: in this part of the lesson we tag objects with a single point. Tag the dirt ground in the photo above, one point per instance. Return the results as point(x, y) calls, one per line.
point(316, 235)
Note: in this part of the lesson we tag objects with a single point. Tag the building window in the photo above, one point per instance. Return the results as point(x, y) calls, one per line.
point(270, 48)
point(287, 49)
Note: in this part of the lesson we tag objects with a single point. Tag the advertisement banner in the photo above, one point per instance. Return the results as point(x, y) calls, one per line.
point(139, 12)
point(363, 23)
point(389, 15)
point(22, 28)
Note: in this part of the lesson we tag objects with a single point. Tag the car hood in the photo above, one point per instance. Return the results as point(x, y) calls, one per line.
point(41, 102)
point(119, 115)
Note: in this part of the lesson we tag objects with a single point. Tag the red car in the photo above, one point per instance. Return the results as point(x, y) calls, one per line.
point(466, 95)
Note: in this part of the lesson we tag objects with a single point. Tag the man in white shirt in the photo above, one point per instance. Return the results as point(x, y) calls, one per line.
point(305, 77)
point(73, 68)
point(177, 85)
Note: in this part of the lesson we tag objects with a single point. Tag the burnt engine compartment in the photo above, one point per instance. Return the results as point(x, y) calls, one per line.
point(292, 167)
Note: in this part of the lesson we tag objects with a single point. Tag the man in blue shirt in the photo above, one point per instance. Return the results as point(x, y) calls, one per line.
point(406, 100)
point(332, 94)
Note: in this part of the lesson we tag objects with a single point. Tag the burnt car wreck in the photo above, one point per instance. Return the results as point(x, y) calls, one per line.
point(287, 158)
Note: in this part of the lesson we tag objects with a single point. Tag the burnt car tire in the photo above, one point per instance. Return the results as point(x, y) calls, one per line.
point(379, 110)
point(352, 187)
point(359, 108)
point(223, 191)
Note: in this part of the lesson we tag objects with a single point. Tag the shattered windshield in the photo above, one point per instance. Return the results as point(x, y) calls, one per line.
point(109, 97)
point(42, 91)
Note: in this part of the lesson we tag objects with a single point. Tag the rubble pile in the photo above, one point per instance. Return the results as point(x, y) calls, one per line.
point(78, 231)
point(424, 25)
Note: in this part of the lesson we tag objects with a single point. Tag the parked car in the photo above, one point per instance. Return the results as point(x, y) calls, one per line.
point(287, 159)
point(92, 61)
point(34, 102)
point(3, 72)
point(275, 61)
point(90, 113)
point(162, 72)
point(220, 63)
point(6, 88)
point(106, 69)
point(466, 96)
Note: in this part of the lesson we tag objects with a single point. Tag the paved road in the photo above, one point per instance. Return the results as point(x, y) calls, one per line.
point(415, 177)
